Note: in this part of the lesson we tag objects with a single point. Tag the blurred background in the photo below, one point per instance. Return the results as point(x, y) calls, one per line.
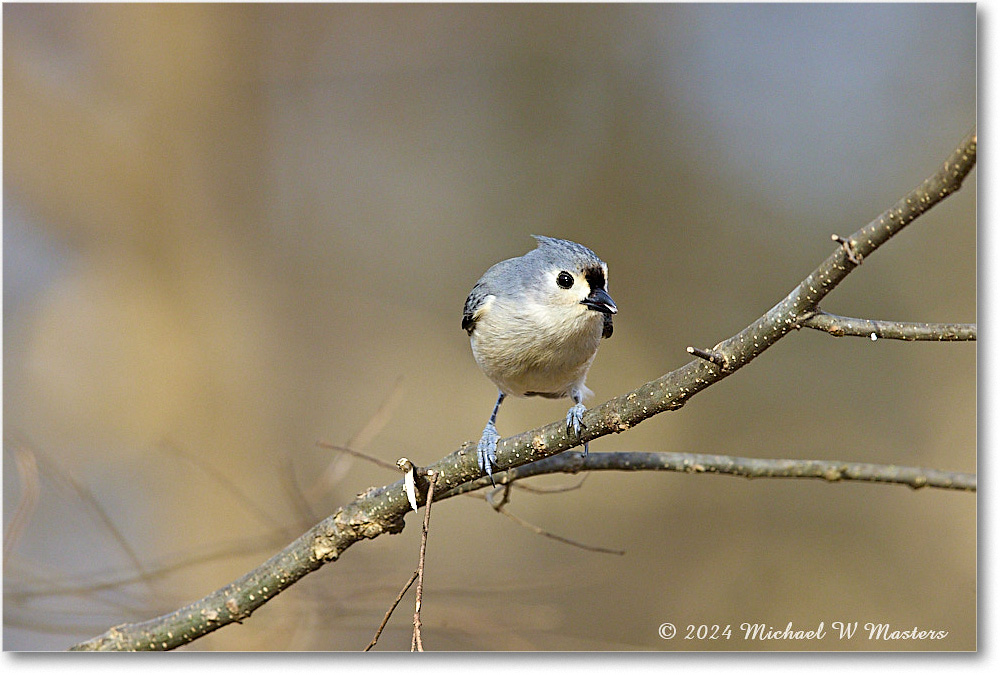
point(230, 232)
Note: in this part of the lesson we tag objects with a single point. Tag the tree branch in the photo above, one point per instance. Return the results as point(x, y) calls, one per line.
point(747, 467)
point(839, 326)
point(378, 511)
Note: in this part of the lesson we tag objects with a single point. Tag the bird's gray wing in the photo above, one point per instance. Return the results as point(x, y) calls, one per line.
point(477, 298)
point(609, 326)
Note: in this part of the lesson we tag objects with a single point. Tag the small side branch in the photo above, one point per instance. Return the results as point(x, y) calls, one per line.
point(839, 326)
point(418, 643)
point(726, 465)
point(498, 506)
point(392, 608)
point(709, 355)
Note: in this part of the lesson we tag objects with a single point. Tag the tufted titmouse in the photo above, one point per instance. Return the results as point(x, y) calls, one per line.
point(535, 323)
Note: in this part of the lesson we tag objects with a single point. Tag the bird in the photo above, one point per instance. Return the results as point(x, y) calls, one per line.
point(535, 323)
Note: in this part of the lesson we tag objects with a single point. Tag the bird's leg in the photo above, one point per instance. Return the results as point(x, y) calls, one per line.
point(486, 451)
point(574, 419)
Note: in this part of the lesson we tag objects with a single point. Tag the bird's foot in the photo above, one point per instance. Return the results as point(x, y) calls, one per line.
point(574, 422)
point(486, 451)
point(574, 419)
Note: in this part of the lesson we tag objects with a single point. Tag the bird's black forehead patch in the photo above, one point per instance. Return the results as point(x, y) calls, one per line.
point(595, 277)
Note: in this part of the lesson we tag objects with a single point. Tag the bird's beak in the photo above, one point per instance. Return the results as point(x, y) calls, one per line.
point(601, 301)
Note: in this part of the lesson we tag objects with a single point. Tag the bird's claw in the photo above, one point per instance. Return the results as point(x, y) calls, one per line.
point(574, 422)
point(574, 419)
point(486, 451)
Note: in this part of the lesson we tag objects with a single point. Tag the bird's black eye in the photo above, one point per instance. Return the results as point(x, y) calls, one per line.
point(565, 280)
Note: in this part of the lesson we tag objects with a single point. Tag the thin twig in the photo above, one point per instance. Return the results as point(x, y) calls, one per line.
point(874, 329)
point(552, 490)
point(55, 471)
point(296, 496)
point(709, 355)
point(87, 583)
point(361, 439)
point(499, 508)
point(418, 643)
point(392, 608)
point(223, 480)
point(357, 453)
point(27, 471)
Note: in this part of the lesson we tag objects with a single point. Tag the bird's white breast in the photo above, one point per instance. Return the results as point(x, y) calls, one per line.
point(535, 348)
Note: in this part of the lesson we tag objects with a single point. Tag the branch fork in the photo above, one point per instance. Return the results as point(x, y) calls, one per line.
point(849, 248)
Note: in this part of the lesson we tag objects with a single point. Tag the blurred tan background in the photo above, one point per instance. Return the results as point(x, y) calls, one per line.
point(232, 231)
